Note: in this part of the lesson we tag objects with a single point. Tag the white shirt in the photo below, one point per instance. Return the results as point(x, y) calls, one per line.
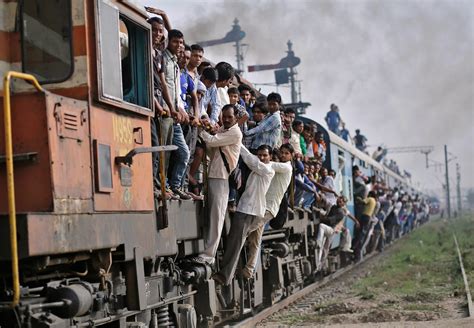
point(229, 141)
point(278, 186)
point(223, 96)
point(253, 200)
point(329, 183)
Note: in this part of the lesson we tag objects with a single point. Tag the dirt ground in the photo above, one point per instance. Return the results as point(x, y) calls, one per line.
point(350, 301)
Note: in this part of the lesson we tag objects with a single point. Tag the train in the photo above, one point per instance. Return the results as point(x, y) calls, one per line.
point(83, 241)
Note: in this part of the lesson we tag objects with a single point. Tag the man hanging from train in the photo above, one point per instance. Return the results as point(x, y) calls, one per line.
point(331, 224)
point(224, 150)
point(268, 131)
point(250, 210)
point(273, 198)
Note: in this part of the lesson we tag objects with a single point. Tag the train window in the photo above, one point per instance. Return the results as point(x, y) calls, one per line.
point(124, 63)
point(134, 64)
point(46, 40)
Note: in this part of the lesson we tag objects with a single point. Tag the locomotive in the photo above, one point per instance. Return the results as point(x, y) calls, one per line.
point(83, 241)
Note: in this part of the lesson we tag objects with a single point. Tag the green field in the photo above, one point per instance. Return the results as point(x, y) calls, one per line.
point(423, 267)
point(417, 278)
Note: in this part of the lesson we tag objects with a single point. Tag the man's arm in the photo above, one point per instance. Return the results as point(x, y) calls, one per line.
point(215, 107)
point(282, 167)
point(226, 138)
point(195, 103)
point(166, 94)
point(304, 186)
point(323, 188)
point(352, 217)
point(363, 200)
point(254, 163)
point(266, 125)
point(163, 15)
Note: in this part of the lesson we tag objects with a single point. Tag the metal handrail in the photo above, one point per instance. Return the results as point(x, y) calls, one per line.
point(10, 181)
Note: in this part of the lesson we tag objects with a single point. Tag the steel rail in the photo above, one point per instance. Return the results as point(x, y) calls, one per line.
point(470, 307)
point(260, 316)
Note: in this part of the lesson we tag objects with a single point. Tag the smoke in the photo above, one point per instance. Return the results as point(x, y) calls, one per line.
point(401, 71)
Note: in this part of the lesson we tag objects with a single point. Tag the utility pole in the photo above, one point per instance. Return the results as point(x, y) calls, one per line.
point(448, 199)
point(239, 56)
point(292, 75)
point(458, 187)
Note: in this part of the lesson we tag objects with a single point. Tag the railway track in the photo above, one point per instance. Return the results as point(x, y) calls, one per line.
point(264, 314)
point(260, 316)
point(470, 307)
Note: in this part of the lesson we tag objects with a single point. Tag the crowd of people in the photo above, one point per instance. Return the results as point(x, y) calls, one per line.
point(250, 148)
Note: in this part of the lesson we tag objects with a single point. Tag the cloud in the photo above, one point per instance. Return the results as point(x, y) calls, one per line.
point(401, 71)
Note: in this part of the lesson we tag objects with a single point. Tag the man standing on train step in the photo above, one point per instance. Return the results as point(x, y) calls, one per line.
point(224, 150)
point(280, 182)
point(250, 210)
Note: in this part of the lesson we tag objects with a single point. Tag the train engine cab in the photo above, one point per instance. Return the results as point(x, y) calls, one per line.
point(90, 246)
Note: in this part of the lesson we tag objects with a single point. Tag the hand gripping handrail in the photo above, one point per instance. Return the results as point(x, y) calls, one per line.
point(10, 181)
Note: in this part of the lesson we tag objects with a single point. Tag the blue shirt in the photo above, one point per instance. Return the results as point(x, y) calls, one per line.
point(267, 132)
point(187, 86)
point(210, 98)
point(333, 118)
point(345, 134)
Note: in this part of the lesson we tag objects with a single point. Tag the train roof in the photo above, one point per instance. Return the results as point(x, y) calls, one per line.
point(335, 139)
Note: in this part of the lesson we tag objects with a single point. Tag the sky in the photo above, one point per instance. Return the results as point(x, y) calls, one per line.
point(402, 71)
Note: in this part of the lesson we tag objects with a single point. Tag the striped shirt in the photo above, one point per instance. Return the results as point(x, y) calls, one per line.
point(172, 77)
point(267, 132)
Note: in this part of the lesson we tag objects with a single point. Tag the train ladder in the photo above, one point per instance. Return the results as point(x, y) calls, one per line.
point(10, 180)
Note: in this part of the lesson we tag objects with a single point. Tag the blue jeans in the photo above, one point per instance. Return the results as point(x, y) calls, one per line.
point(308, 199)
point(180, 158)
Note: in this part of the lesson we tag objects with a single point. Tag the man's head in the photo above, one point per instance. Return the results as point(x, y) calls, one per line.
point(324, 172)
point(274, 102)
point(289, 116)
point(308, 132)
point(356, 171)
point(157, 31)
point(197, 52)
point(201, 90)
point(357, 131)
point(229, 116)
point(253, 97)
point(203, 66)
point(317, 166)
point(371, 194)
point(333, 107)
point(175, 41)
point(234, 95)
point(286, 152)
point(318, 137)
point(183, 58)
point(332, 173)
point(209, 76)
point(225, 74)
point(341, 201)
point(264, 153)
point(298, 126)
point(259, 111)
point(245, 94)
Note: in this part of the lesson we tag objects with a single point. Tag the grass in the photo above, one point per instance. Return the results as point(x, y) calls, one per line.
point(422, 271)
point(424, 267)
